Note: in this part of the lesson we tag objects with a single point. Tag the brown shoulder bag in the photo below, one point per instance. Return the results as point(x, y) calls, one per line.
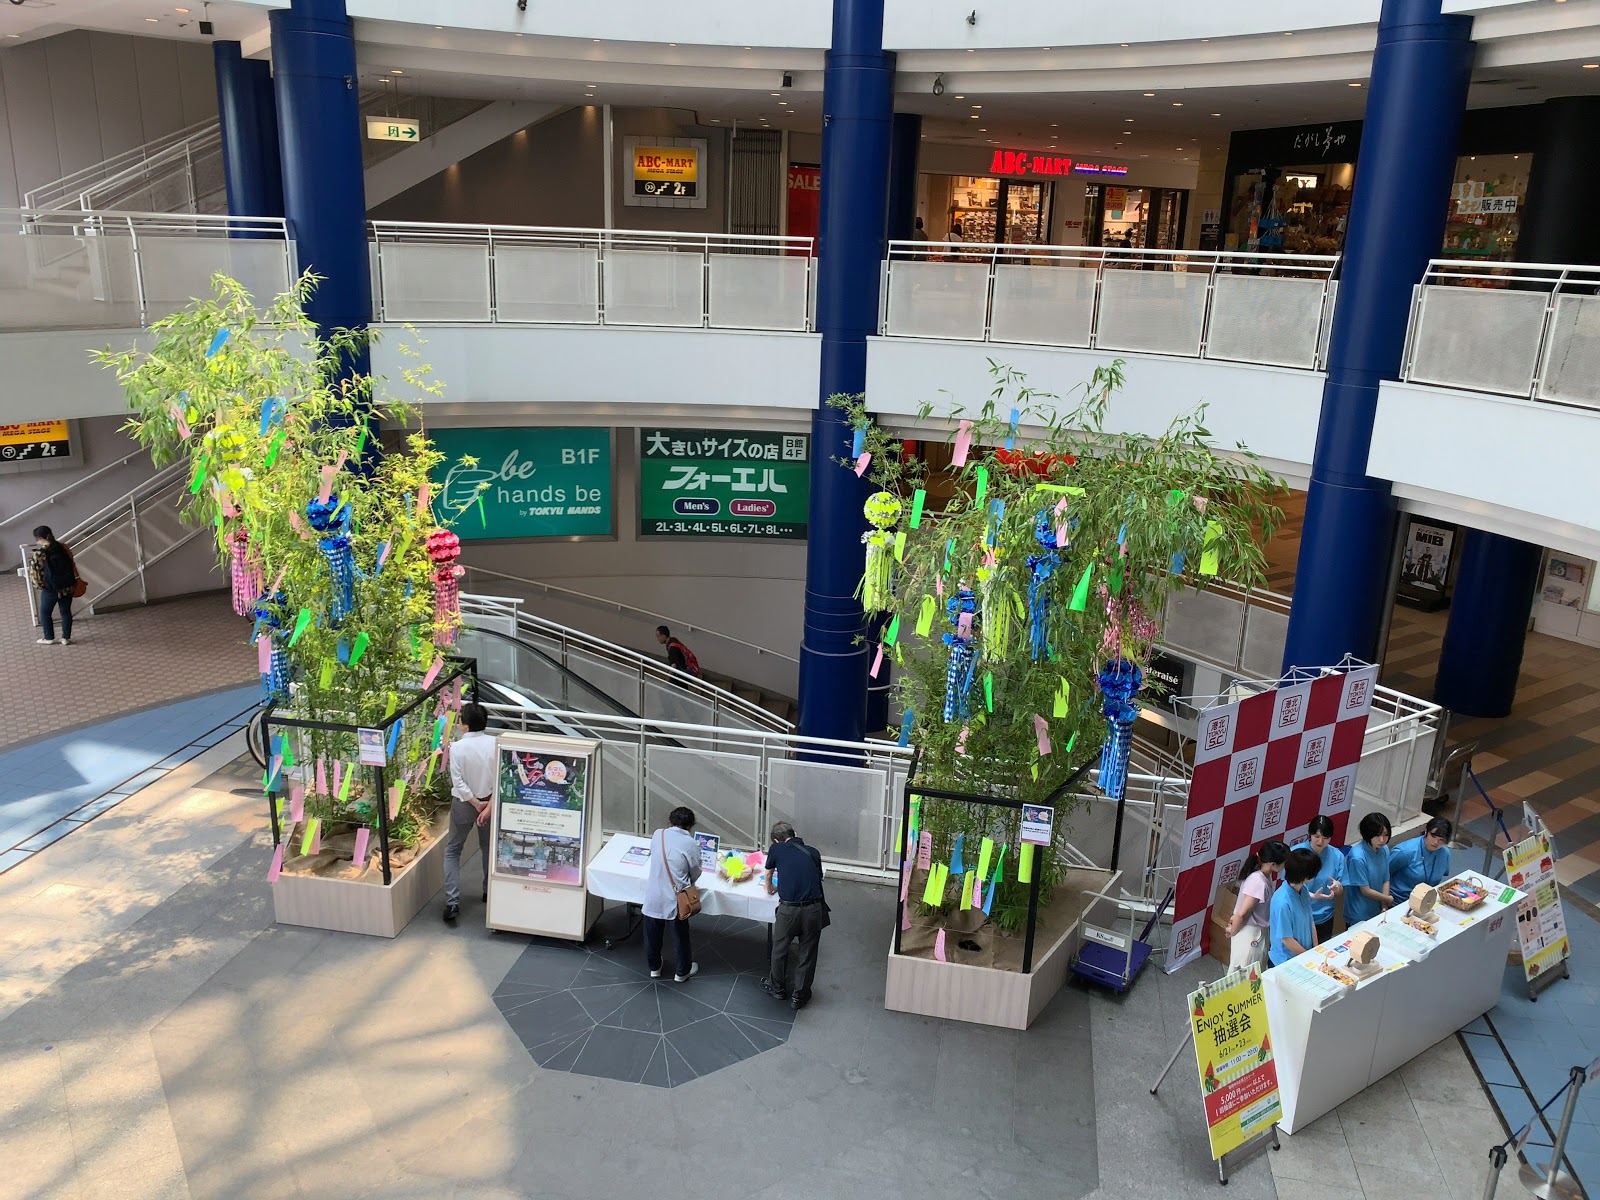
point(688, 894)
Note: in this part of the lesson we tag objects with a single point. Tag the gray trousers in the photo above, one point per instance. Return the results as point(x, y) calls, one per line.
point(803, 922)
point(462, 819)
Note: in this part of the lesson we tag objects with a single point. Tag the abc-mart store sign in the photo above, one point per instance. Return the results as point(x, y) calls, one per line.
point(1026, 162)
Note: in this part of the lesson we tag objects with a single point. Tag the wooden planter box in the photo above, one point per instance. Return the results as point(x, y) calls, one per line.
point(985, 995)
point(363, 906)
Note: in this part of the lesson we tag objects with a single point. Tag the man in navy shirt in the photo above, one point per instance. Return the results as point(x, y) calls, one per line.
point(794, 873)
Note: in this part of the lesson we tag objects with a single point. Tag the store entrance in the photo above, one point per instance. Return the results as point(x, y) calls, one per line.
point(1136, 218)
point(978, 209)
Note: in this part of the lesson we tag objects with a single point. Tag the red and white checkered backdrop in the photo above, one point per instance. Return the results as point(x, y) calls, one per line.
point(1263, 767)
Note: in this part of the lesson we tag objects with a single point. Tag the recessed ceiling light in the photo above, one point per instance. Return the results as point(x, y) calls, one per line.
point(774, 93)
point(185, 11)
point(1205, 39)
point(1288, 33)
point(397, 71)
point(973, 117)
point(1177, 104)
point(674, 45)
point(981, 129)
point(1590, 66)
point(747, 47)
point(969, 51)
point(1124, 45)
point(783, 103)
point(1216, 114)
point(1149, 93)
point(1127, 118)
point(977, 106)
point(1352, 85)
point(152, 21)
point(960, 97)
point(1049, 47)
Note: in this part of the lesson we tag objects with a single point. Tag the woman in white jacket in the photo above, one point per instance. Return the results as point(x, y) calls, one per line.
point(674, 865)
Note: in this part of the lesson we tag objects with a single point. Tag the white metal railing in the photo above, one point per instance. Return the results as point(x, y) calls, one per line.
point(99, 270)
point(515, 274)
point(121, 542)
point(55, 498)
point(617, 606)
point(1530, 330)
point(842, 797)
point(644, 685)
point(99, 185)
point(1242, 630)
point(1273, 309)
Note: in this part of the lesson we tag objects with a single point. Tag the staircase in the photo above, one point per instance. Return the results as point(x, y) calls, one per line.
point(181, 172)
point(782, 707)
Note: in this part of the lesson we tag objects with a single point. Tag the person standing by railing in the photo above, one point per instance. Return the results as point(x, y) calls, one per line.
point(55, 577)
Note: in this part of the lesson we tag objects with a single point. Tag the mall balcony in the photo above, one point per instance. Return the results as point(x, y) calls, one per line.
point(624, 221)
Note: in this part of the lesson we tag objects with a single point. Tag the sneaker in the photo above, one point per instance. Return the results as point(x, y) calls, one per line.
point(773, 990)
point(656, 974)
point(694, 969)
point(451, 912)
point(799, 1001)
point(63, 641)
point(44, 641)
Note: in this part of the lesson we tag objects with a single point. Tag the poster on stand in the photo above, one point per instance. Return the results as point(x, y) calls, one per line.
point(541, 802)
point(1264, 766)
point(1541, 923)
point(1425, 563)
point(1233, 1050)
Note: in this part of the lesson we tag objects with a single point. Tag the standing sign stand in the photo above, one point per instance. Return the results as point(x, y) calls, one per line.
point(1233, 1051)
point(545, 827)
point(1541, 924)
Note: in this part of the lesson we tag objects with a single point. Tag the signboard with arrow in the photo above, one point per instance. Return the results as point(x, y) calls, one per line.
point(391, 129)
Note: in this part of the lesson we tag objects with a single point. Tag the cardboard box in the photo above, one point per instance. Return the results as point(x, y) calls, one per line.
point(1221, 914)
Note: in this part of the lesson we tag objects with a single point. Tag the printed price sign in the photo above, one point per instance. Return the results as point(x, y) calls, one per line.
point(1238, 1078)
point(1541, 923)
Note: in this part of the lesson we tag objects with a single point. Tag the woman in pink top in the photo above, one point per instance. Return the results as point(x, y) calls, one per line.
point(1248, 939)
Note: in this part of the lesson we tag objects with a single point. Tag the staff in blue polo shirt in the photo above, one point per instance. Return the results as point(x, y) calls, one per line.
point(1326, 887)
point(794, 873)
point(1424, 859)
point(1292, 930)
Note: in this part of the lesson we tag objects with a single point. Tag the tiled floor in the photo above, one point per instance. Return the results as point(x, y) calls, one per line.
point(120, 661)
point(50, 787)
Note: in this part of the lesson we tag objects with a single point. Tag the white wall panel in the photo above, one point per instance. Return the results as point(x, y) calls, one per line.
point(651, 369)
point(116, 79)
point(49, 375)
point(197, 85)
point(1495, 451)
point(1272, 410)
point(160, 102)
point(77, 120)
point(30, 120)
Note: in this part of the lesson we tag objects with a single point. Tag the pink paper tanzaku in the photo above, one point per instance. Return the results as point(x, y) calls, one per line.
point(264, 653)
point(433, 673)
point(989, 560)
point(273, 590)
point(964, 625)
point(877, 661)
point(861, 463)
point(963, 444)
point(277, 865)
point(338, 776)
point(925, 850)
point(938, 587)
point(423, 511)
point(359, 854)
point(1200, 502)
point(327, 484)
point(322, 776)
point(938, 947)
point(961, 742)
point(339, 465)
point(905, 916)
point(1042, 728)
point(316, 838)
point(1061, 536)
point(297, 807)
point(905, 879)
point(394, 802)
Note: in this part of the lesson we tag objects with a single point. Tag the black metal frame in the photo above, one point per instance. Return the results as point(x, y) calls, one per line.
point(459, 668)
point(913, 789)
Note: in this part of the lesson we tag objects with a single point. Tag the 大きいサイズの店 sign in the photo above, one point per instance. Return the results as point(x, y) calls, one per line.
point(541, 482)
point(718, 483)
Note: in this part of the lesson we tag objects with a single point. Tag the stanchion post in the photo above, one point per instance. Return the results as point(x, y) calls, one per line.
point(1553, 1177)
point(1497, 1162)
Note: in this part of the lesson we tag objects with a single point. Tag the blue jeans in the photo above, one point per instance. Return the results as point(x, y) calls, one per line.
point(654, 927)
point(48, 602)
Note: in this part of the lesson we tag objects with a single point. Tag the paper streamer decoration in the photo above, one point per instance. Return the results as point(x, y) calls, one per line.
point(918, 499)
point(861, 464)
point(264, 653)
point(958, 455)
point(1209, 556)
point(297, 805)
point(396, 792)
point(1080, 594)
point(1011, 430)
point(325, 676)
point(1063, 697)
point(988, 691)
point(905, 880)
point(277, 865)
point(900, 546)
point(999, 867)
point(1025, 864)
point(982, 488)
point(925, 615)
point(932, 894)
point(892, 634)
point(433, 673)
point(988, 899)
point(938, 947)
point(877, 661)
point(218, 341)
point(956, 865)
point(300, 623)
point(858, 443)
point(359, 647)
point(925, 850)
point(344, 788)
point(1041, 727)
point(905, 727)
point(359, 855)
point(322, 777)
point(966, 890)
point(312, 842)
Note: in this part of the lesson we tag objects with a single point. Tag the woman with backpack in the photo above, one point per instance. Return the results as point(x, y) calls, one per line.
point(55, 578)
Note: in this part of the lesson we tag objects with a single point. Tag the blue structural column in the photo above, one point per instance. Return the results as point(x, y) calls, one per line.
point(857, 103)
point(1420, 72)
point(248, 119)
point(319, 135)
point(1482, 652)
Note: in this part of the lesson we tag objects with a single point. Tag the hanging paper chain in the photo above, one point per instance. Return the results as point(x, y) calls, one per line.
point(331, 518)
point(247, 579)
point(1120, 680)
point(1042, 567)
point(443, 549)
point(269, 625)
point(963, 666)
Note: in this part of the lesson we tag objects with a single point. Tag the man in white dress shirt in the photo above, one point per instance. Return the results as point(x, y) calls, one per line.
point(472, 768)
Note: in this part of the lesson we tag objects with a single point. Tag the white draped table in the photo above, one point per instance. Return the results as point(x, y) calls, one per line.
point(614, 874)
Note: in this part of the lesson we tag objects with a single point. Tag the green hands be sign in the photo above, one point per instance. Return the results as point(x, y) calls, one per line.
point(541, 482)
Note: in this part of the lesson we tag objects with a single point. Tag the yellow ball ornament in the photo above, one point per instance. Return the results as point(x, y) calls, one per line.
point(883, 510)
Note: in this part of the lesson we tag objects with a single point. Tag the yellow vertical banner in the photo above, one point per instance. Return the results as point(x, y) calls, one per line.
point(1238, 1077)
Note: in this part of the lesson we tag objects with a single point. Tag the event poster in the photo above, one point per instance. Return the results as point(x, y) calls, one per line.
point(724, 483)
point(1541, 924)
point(1238, 1077)
point(542, 796)
point(1425, 562)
